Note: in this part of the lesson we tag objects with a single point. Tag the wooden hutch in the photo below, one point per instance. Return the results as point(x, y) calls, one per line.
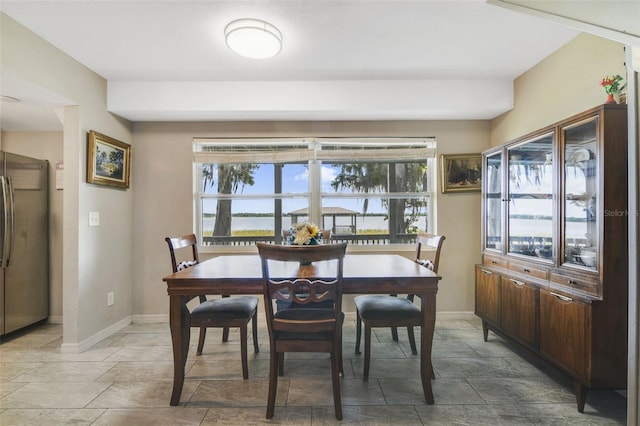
point(554, 272)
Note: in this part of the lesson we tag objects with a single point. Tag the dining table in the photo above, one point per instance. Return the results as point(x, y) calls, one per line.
point(238, 274)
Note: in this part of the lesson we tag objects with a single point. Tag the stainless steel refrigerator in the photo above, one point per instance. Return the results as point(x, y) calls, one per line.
point(24, 241)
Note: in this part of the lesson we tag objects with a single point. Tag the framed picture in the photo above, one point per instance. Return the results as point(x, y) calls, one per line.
point(461, 172)
point(108, 161)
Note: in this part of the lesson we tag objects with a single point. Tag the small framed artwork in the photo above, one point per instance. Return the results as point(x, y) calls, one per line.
point(460, 172)
point(108, 161)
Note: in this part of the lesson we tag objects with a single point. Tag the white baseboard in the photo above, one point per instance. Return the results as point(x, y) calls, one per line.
point(54, 319)
point(148, 319)
point(76, 348)
point(455, 315)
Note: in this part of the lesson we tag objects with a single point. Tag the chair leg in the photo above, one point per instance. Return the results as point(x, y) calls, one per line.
point(203, 334)
point(367, 352)
point(254, 328)
point(340, 355)
point(394, 334)
point(412, 340)
point(243, 351)
point(281, 363)
point(335, 379)
point(358, 333)
point(273, 382)
point(225, 334)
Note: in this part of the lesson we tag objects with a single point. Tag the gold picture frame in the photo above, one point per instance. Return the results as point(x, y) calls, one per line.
point(460, 172)
point(108, 161)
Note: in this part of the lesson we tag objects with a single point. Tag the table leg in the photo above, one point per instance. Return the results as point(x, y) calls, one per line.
point(427, 329)
point(180, 336)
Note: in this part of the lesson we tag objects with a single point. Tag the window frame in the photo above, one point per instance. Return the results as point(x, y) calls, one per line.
point(309, 150)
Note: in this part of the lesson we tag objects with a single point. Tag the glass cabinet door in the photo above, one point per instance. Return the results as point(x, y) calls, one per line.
point(493, 201)
point(579, 218)
point(530, 198)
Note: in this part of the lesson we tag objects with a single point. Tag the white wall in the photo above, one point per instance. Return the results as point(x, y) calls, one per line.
point(46, 146)
point(96, 260)
point(164, 199)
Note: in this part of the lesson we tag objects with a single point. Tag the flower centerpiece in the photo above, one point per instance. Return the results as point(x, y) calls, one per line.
point(304, 234)
point(611, 85)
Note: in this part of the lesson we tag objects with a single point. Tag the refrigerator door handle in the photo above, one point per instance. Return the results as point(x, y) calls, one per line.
point(11, 221)
point(5, 220)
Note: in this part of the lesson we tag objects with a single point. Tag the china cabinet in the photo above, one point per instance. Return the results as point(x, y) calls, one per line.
point(553, 276)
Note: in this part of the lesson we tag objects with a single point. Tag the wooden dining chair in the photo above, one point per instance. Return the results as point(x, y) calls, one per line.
point(308, 329)
point(225, 312)
point(392, 311)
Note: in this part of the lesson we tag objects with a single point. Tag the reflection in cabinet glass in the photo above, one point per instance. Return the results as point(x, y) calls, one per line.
point(581, 194)
point(530, 195)
point(493, 179)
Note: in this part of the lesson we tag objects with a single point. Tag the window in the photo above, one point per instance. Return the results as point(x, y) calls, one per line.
point(365, 190)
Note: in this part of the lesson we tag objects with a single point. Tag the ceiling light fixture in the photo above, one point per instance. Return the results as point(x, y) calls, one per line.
point(9, 99)
point(253, 38)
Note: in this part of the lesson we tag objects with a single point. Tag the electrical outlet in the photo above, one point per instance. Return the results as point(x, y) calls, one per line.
point(110, 298)
point(94, 218)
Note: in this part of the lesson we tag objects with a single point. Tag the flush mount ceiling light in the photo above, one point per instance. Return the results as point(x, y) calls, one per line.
point(253, 38)
point(9, 99)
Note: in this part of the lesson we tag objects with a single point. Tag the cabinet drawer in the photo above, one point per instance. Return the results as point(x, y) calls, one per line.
point(576, 283)
point(532, 271)
point(495, 261)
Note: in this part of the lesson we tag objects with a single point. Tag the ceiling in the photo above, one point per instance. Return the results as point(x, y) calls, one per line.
point(341, 59)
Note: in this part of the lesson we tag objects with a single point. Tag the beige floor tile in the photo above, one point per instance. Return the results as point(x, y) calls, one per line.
point(293, 416)
point(140, 371)
point(236, 393)
point(175, 416)
point(53, 395)
point(10, 370)
point(66, 372)
point(8, 387)
point(146, 353)
point(126, 379)
point(140, 395)
point(381, 415)
point(49, 417)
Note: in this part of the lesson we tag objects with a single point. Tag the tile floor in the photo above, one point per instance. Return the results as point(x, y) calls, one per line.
point(126, 380)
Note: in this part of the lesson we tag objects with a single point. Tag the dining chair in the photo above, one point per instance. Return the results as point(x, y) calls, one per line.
point(392, 311)
point(225, 312)
point(308, 329)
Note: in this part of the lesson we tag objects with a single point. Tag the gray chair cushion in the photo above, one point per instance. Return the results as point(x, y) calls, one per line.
point(373, 308)
point(226, 308)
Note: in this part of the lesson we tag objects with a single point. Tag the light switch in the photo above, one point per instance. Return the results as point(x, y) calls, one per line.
point(94, 218)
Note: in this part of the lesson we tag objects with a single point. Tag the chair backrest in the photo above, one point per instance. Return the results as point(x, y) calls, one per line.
point(184, 242)
point(429, 242)
point(297, 286)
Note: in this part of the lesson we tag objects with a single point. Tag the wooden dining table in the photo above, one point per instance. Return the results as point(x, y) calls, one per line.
point(241, 275)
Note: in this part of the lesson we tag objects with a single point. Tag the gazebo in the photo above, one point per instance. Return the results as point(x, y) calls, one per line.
point(343, 227)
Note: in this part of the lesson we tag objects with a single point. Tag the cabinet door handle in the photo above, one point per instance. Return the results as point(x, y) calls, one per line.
point(561, 297)
point(516, 282)
point(484, 271)
point(526, 270)
point(572, 282)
